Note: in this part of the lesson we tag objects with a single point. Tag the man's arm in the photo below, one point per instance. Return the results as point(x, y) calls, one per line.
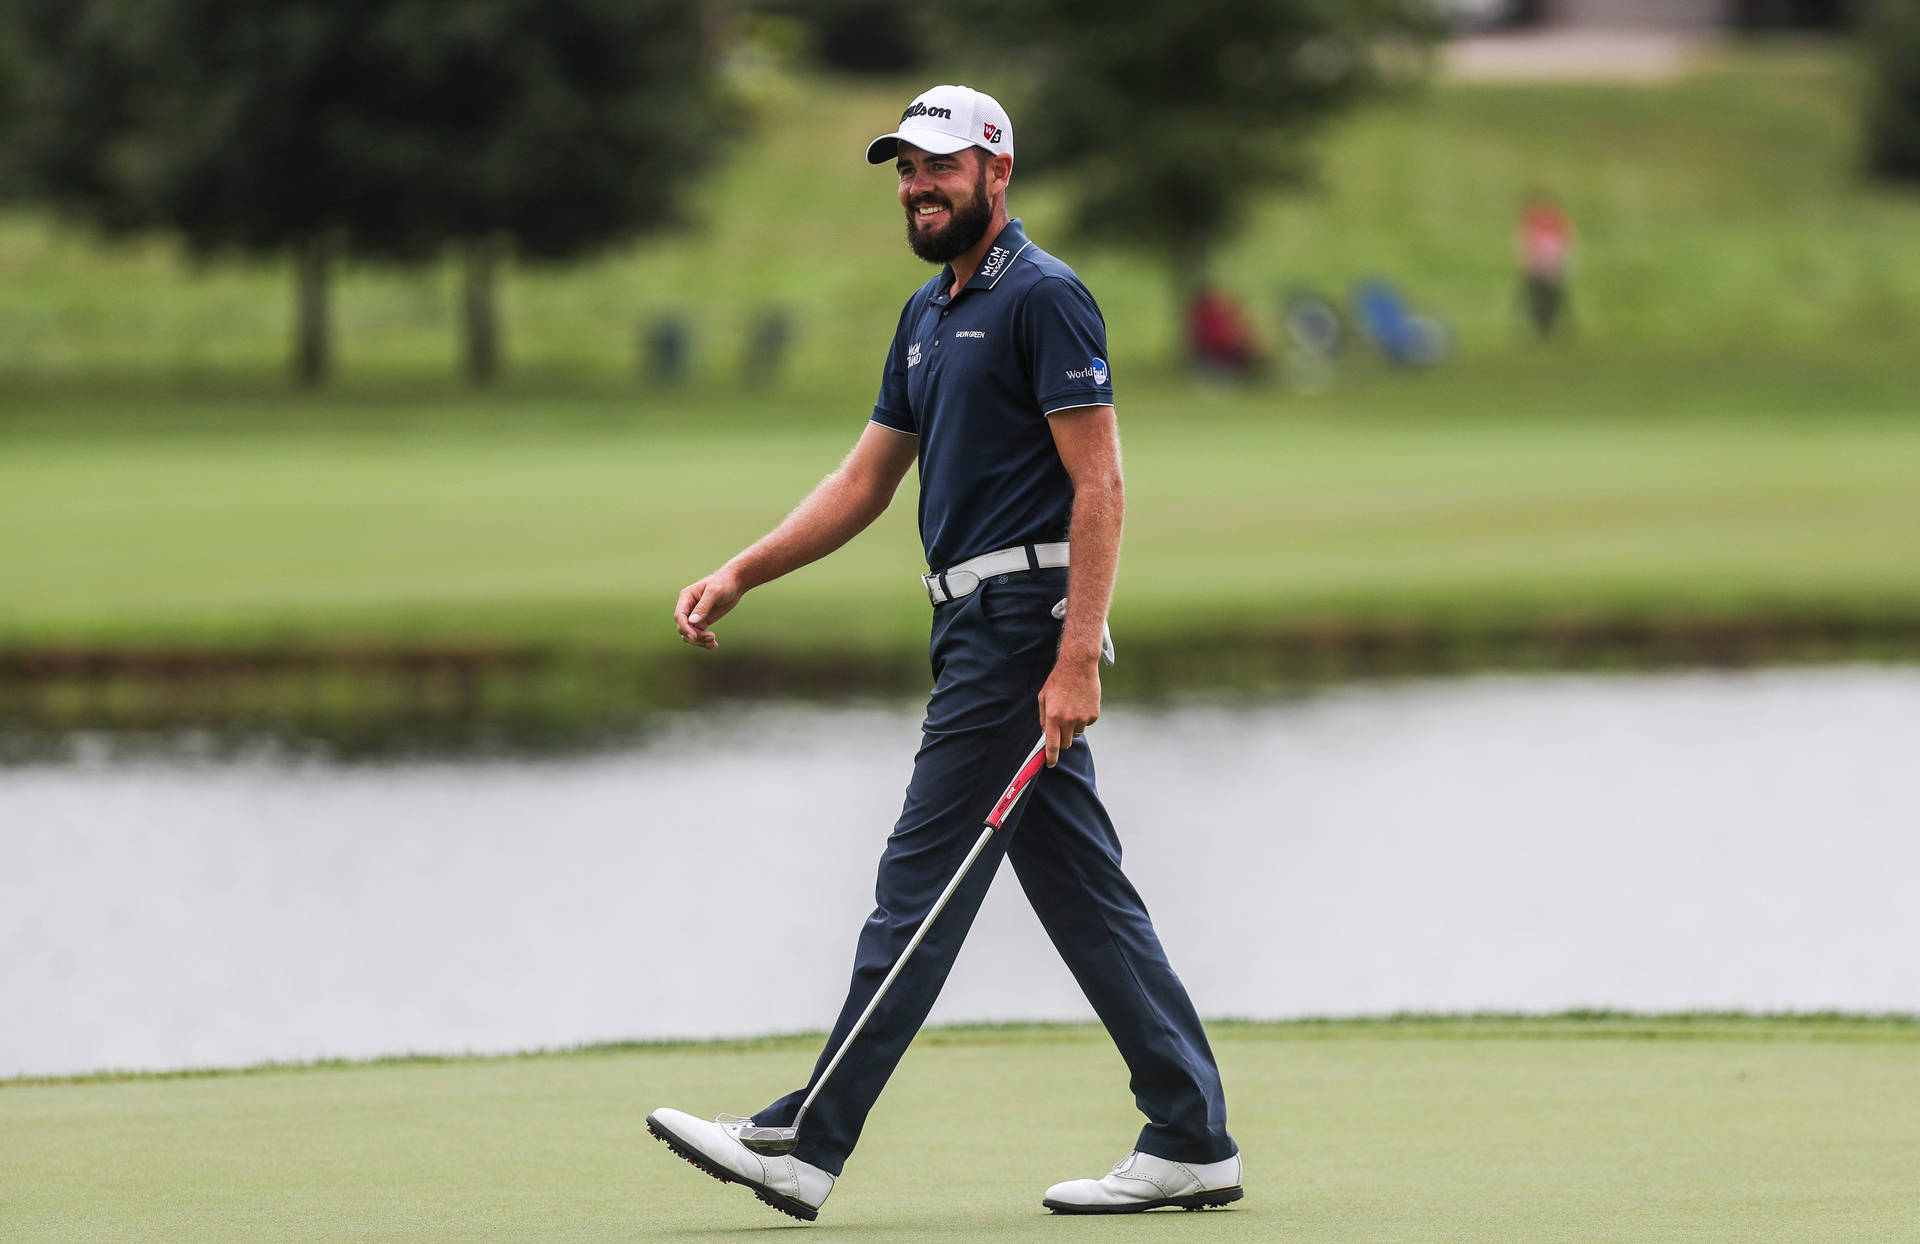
point(837, 510)
point(1088, 438)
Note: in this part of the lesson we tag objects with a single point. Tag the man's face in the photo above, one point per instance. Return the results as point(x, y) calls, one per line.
point(949, 206)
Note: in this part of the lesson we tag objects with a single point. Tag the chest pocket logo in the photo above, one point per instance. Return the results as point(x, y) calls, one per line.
point(913, 355)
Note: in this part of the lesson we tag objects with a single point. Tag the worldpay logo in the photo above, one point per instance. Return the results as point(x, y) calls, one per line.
point(918, 109)
point(1095, 371)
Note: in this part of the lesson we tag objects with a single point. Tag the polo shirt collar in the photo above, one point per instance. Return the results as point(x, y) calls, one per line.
point(1007, 245)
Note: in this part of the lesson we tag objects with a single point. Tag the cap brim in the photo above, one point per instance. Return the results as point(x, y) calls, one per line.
point(938, 142)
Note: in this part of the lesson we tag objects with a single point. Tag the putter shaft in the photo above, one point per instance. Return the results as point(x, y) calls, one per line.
point(775, 1141)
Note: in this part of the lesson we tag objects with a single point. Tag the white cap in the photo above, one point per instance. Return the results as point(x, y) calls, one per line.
point(944, 120)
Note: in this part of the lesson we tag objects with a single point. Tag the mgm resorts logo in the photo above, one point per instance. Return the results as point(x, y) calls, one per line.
point(918, 109)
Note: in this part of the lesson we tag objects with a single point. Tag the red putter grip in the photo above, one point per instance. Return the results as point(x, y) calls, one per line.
point(1019, 784)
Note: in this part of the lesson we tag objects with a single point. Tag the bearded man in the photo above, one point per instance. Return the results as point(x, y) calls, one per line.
point(997, 385)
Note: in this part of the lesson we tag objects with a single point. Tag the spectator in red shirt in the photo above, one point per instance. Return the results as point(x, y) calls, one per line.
point(1545, 241)
point(1219, 335)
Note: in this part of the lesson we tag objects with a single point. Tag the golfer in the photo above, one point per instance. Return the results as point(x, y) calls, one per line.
point(997, 384)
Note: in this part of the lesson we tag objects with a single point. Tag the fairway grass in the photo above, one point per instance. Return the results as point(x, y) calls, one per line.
point(577, 535)
point(1498, 1130)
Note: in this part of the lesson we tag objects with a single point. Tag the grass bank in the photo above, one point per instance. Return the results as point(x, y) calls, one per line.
point(352, 559)
point(564, 531)
point(1482, 1128)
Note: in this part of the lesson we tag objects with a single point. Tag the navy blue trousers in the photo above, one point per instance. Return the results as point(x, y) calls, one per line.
point(992, 651)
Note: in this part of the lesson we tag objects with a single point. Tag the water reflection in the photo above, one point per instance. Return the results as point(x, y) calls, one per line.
point(1646, 842)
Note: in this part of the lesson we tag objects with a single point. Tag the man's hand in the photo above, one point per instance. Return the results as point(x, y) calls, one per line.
point(1069, 703)
point(704, 603)
point(838, 509)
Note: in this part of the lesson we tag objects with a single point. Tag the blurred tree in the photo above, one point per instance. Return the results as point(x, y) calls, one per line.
point(1165, 123)
point(866, 36)
point(856, 36)
point(379, 129)
point(1794, 14)
point(1891, 36)
point(9, 95)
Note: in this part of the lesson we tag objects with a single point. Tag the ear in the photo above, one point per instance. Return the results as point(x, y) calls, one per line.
point(999, 171)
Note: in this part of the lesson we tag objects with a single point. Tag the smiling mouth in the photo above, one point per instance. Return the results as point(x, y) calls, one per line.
point(928, 211)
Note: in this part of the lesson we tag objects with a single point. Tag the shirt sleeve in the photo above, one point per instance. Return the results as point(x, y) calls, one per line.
point(893, 408)
point(1065, 340)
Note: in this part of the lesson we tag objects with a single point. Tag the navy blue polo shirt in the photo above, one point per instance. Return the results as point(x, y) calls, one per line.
point(974, 377)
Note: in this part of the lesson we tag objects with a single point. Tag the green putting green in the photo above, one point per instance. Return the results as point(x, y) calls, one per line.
point(1531, 1130)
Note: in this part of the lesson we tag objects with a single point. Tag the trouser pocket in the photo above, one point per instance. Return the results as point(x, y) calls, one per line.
point(1017, 611)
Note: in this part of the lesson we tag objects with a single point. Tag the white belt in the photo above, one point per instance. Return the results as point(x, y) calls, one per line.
point(957, 581)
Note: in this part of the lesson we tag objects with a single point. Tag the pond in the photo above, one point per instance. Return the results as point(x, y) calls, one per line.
point(1647, 842)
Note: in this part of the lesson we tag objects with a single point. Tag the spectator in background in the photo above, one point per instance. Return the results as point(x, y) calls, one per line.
point(666, 346)
point(1545, 243)
point(767, 341)
point(1219, 335)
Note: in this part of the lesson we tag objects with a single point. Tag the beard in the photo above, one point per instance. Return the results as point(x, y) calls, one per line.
point(966, 225)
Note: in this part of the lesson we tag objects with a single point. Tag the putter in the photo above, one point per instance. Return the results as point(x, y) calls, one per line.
point(774, 1142)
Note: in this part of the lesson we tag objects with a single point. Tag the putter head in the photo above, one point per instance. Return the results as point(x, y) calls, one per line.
point(770, 1142)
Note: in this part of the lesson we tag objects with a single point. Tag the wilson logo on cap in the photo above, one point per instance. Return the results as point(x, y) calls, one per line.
point(942, 120)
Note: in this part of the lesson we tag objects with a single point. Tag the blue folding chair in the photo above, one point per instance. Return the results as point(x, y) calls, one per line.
point(1403, 337)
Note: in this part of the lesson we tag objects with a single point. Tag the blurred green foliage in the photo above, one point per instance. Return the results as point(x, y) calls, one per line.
point(1166, 125)
point(1891, 38)
point(387, 129)
point(1720, 218)
point(10, 72)
point(856, 36)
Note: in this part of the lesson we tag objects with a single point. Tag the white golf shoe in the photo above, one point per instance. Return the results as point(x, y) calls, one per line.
point(786, 1183)
point(1141, 1181)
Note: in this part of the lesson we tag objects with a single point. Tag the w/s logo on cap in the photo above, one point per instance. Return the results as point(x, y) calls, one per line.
point(990, 132)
